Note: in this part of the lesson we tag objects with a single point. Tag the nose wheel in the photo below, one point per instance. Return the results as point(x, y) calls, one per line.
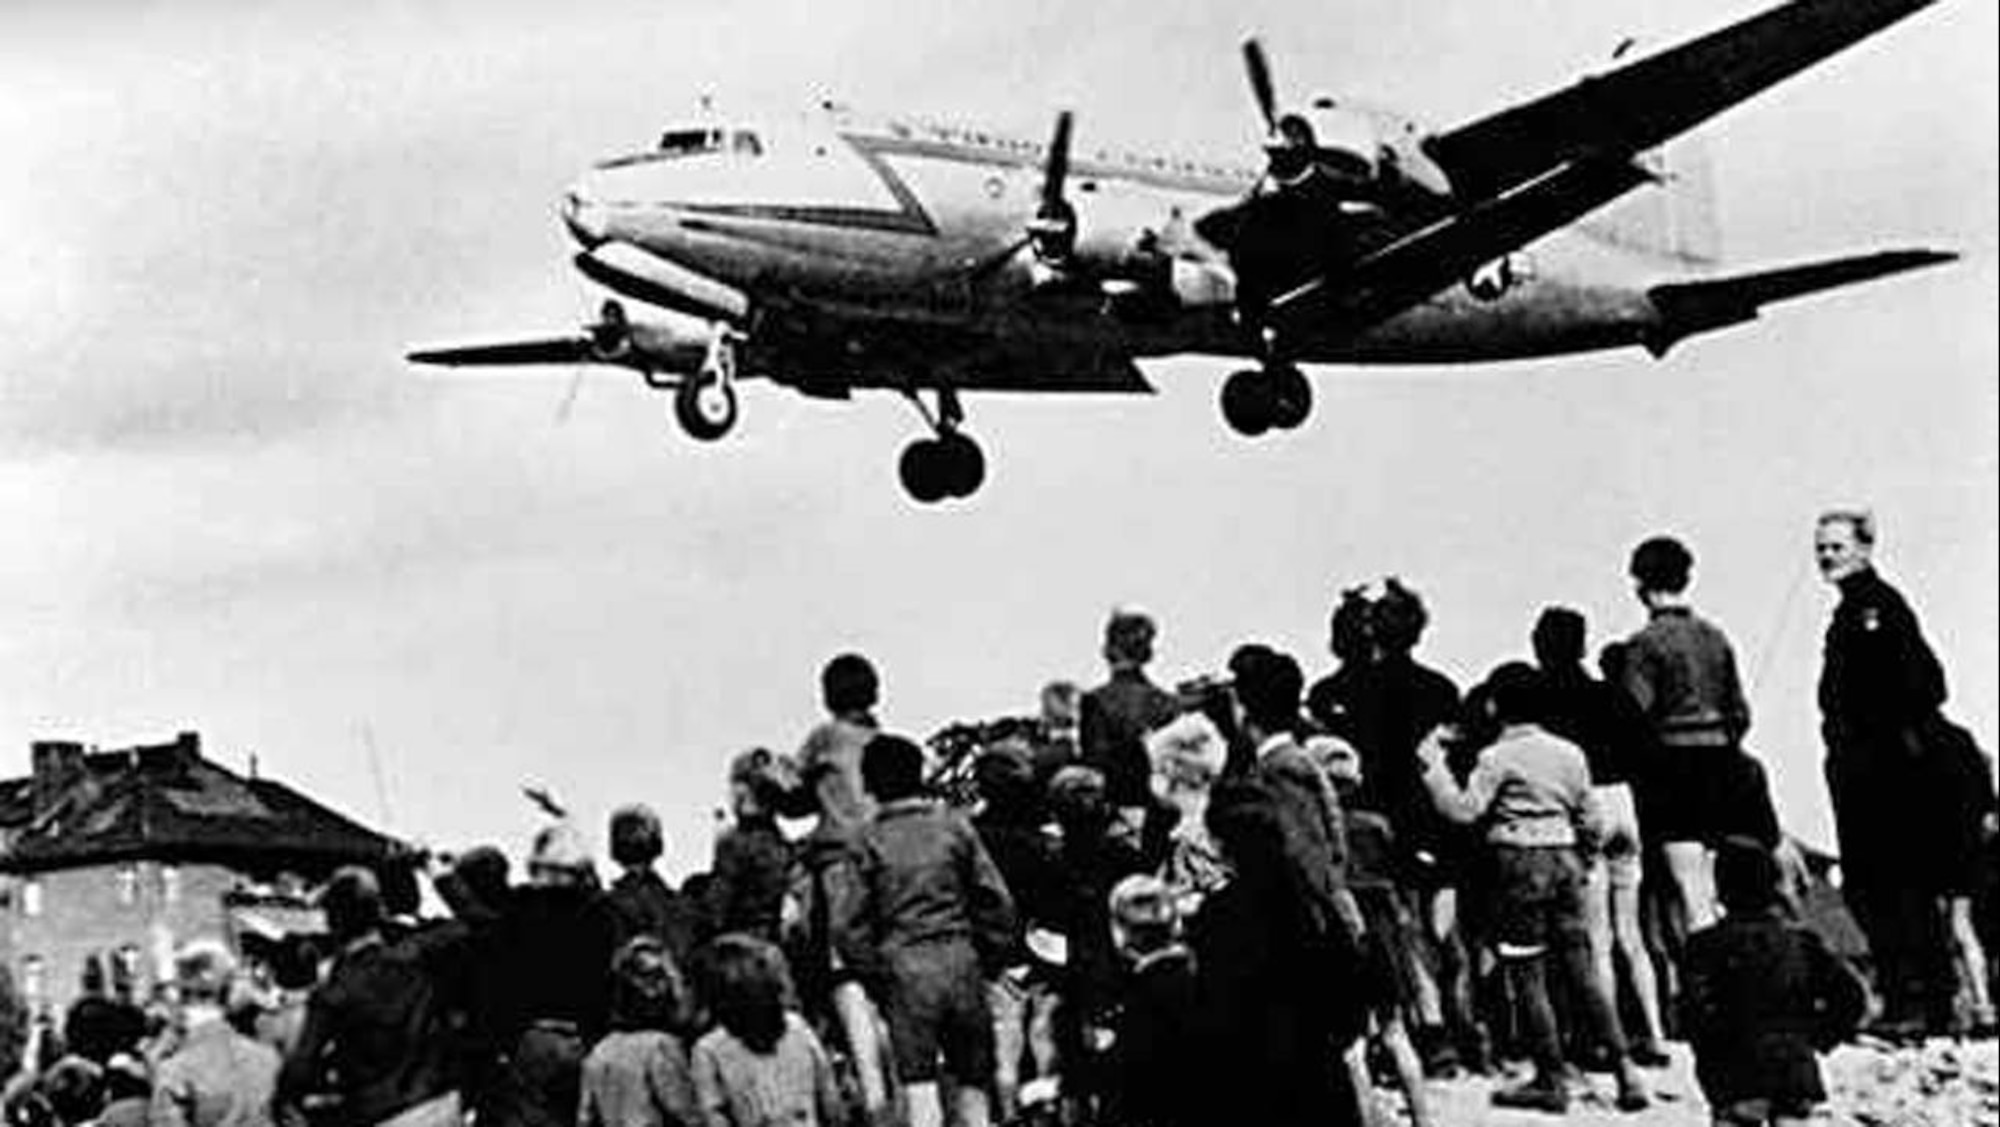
point(705, 403)
point(1275, 397)
point(949, 465)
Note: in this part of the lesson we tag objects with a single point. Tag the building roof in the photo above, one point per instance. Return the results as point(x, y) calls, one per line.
point(167, 803)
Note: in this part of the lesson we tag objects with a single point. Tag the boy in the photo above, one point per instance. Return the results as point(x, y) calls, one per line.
point(1156, 1065)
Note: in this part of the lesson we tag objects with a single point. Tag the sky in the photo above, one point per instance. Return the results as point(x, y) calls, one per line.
point(233, 508)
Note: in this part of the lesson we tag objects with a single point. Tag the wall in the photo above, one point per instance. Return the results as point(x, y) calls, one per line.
point(100, 909)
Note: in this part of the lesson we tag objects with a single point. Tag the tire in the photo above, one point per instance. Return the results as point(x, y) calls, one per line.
point(924, 469)
point(964, 465)
point(705, 407)
point(1292, 396)
point(1248, 402)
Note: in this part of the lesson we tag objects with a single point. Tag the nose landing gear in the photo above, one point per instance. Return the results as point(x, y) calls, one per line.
point(705, 403)
point(949, 465)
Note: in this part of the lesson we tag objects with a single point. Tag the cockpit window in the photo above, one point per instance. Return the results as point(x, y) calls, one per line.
point(745, 143)
point(691, 141)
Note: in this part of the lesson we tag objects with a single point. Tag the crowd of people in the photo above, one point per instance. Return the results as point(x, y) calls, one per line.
point(1242, 901)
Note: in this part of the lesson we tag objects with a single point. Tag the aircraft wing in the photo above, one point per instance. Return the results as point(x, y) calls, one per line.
point(1531, 169)
point(548, 350)
point(1641, 105)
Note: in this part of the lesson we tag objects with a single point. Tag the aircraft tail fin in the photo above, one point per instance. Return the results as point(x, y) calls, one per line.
point(1675, 218)
point(1687, 308)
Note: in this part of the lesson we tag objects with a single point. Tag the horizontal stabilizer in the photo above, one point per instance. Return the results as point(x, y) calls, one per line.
point(1687, 308)
point(552, 350)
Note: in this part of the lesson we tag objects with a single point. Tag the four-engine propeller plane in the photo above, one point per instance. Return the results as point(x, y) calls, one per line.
point(838, 252)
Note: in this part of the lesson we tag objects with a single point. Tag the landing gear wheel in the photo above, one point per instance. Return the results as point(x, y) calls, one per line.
point(1292, 396)
point(705, 406)
point(925, 469)
point(964, 464)
point(1249, 402)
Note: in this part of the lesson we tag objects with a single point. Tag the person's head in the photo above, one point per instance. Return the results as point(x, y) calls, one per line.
point(126, 1077)
point(1514, 693)
point(849, 684)
point(75, 1090)
point(892, 768)
point(744, 983)
point(1128, 638)
point(1660, 566)
point(1268, 686)
point(1061, 705)
point(475, 886)
point(1397, 618)
point(1339, 760)
point(1746, 875)
point(645, 985)
point(1843, 542)
point(1559, 639)
point(1187, 755)
point(401, 897)
point(204, 969)
point(1077, 798)
point(636, 838)
point(558, 858)
point(1144, 917)
point(1611, 662)
point(1004, 777)
point(352, 901)
point(1350, 634)
point(758, 781)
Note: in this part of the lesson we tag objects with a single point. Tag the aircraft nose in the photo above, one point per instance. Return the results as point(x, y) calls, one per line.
point(586, 218)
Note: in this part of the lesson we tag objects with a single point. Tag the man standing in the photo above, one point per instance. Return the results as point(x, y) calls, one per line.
point(1681, 672)
point(1116, 715)
point(1880, 689)
point(216, 1077)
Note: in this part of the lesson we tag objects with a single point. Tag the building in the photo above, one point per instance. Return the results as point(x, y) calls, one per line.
point(111, 859)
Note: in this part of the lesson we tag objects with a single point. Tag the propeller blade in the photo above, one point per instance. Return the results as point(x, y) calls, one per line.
point(1261, 86)
point(1056, 171)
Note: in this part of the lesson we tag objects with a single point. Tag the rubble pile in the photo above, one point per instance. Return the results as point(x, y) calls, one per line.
point(1938, 1084)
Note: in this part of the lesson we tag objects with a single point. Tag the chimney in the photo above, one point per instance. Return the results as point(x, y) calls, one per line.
point(187, 748)
point(58, 766)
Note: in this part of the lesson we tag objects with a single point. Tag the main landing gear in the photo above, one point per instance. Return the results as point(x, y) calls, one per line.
point(949, 465)
point(1276, 396)
point(705, 403)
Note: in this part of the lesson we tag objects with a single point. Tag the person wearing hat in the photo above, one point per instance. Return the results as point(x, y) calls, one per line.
point(216, 1076)
point(1157, 1066)
point(380, 1025)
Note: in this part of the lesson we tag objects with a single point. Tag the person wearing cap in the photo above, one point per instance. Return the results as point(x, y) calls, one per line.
point(381, 1024)
point(752, 862)
point(929, 921)
point(1114, 717)
point(216, 1076)
point(641, 902)
point(1157, 1064)
point(1681, 671)
point(1763, 994)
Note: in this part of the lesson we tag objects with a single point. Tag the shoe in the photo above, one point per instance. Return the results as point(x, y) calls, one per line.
point(1543, 1093)
point(1631, 1090)
point(1648, 1054)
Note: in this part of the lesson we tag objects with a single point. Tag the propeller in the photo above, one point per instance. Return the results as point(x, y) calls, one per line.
point(1261, 86)
point(1051, 233)
point(1289, 137)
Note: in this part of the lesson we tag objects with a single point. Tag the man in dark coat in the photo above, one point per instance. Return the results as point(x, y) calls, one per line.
point(1880, 689)
point(1116, 715)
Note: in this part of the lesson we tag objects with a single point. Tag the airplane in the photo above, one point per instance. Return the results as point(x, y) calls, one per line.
point(838, 252)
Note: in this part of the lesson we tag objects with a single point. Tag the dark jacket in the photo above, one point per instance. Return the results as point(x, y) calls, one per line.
point(1761, 996)
point(1681, 672)
point(381, 1027)
point(1026, 857)
point(1315, 838)
point(641, 903)
point(1880, 681)
point(1600, 719)
point(921, 876)
point(1385, 709)
point(1157, 1062)
point(751, 870)
point(553, 948)
point(1112, 729)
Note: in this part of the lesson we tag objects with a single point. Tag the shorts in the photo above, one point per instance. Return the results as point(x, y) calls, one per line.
point(1537, 899)
point(1617, 833)
point(1688, 793)
point(934, 1002)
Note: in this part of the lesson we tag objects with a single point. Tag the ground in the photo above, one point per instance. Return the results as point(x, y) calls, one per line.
point(1942, 1084)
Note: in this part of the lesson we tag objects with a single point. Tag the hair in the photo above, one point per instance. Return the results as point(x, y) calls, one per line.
point(204, 970)
point(1268, 686)
point(1144, 916)
point(1515, 689)
point(1063, 696)
point(400, 894)
point(1746, 874)
point(744, 983)
point(1611, 659)
point(477, 882)
point(849, 684)
point(646, 991)
point(892, 767)
point(1248, 828)
point(762, 775)
point(352, 901)
point(75, 1090)
point(1128, 636)
point(1559, 638)
point(636, 838)
point(1662, 563)
point(1397, 617)
point(1350, 634)
point(1861, 521)
point(1077, 795)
